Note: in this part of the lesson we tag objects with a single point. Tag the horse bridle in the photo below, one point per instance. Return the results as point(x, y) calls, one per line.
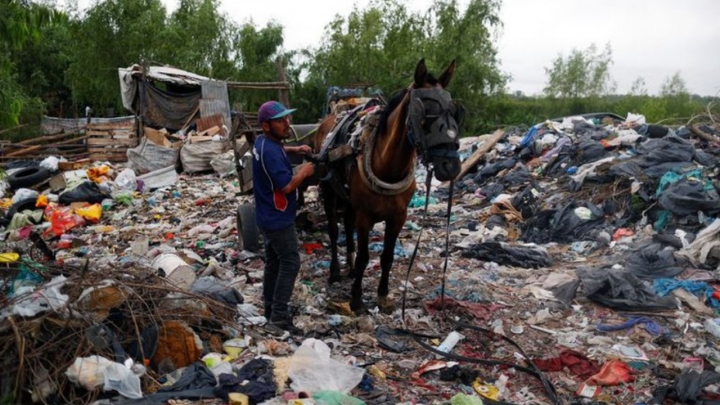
point(434, 120)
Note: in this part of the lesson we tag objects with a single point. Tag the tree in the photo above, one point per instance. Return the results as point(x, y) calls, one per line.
point(200, 39)
point(581, 74)
point(21, 23)
point(114, 33)
point(674, 86)
point(381, 45)
point(638, 88)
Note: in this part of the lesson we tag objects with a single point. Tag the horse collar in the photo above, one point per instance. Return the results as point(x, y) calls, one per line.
point(370, 180)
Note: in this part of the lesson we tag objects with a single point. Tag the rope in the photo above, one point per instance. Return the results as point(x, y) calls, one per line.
point(532, 370)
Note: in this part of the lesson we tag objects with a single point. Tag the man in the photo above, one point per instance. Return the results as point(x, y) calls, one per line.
point(274, 187)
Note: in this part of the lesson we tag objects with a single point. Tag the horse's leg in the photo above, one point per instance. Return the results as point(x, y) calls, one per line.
point(330, 204)
point(349, 224)
point(363, 225)
point(392, 231)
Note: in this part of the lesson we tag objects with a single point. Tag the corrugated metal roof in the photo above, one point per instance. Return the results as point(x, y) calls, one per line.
point(166, 74)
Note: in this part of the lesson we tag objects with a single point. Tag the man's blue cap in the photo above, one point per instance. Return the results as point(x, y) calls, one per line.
point(272, 110)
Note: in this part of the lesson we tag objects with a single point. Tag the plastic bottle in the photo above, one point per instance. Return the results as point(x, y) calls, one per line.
point(450, 341)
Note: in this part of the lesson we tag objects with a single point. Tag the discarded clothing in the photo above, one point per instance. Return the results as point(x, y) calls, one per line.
point(614, 372)
point(620, 289)
point(650, 325)
point(577, 363)
point(195, 376)
point(652, 261)
point(664, 286)
point(215, 289)
point(255, 379)
point(478, 311)
point(687, 388)
point(501, 253)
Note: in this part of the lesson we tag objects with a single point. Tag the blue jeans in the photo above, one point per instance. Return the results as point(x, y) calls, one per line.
point(282, 264)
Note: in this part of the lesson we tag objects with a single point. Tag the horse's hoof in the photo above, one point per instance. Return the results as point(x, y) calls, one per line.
point(386, 304)
point(334, 278)
point(357, 307)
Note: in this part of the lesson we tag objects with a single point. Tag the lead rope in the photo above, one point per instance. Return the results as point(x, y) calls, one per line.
point(532, 370)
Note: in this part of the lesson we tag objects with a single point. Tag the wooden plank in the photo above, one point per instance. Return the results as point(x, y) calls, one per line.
point(695, 129)
point(119, 142)
point(45, 138)
point(110, 157)
point(112, 134)
point(25, 151)
point(65, 142)
point(479, 153)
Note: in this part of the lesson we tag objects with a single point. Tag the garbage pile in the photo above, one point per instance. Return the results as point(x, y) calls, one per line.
point(581, 269)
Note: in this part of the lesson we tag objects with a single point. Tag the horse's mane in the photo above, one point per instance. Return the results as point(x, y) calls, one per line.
point(395, 101)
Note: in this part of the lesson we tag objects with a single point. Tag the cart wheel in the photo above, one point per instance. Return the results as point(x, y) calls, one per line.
point(248, 232)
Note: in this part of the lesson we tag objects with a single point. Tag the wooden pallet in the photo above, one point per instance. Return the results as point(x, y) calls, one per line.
point(109, 141)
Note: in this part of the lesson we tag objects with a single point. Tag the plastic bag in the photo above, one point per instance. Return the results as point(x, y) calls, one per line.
point(50, 163)
point(92, 213)
point(62, 220)
point(125, 181)
point(335, 398)
point(24, 194)
point(311, 369)
point(93, 371)
point(224, 165)
point(87, 191)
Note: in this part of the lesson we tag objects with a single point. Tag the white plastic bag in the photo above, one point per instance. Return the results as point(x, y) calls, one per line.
point(24, 194)
point(125, 181)
point(311, 369)
point(224, 165)
point(93, 371)
point(51, 163)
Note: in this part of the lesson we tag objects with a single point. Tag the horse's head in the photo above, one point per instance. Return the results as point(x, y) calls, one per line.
point(434, 120)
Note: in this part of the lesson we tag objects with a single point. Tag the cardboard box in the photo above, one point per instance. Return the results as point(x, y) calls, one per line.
point(157, 136)
point(61, 180)
point(65, 166)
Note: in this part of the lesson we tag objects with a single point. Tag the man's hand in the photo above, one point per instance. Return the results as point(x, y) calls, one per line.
point(300, 150)
point(306, 170)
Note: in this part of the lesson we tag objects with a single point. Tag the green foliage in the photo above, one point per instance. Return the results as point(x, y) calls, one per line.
point(200, 39)
point(51, 62)
point(381, 45)
point(581, 74)
point(20, 25)
point(115, 33)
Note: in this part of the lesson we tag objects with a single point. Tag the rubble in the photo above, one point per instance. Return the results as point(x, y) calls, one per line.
point(582, 269)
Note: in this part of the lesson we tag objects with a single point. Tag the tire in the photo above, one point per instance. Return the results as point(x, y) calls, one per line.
point(248, 232)
point(20, 206)
point(28, 177)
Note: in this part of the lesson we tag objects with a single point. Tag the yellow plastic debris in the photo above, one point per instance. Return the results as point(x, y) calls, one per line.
point(9, 257)
point(486, 390)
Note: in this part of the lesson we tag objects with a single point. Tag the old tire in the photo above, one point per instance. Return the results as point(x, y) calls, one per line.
point(248, 232)
point(20, 206)
point(28, 177)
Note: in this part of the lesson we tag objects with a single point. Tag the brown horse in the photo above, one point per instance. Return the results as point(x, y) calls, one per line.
point(420, 120)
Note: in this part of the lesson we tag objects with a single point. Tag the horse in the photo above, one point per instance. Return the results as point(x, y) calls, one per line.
point(377, 183)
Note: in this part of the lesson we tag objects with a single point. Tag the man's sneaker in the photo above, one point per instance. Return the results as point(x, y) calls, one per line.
point(278, 328)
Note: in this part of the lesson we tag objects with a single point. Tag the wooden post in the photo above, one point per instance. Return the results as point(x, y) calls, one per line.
point(473, 160)
point(284, 94)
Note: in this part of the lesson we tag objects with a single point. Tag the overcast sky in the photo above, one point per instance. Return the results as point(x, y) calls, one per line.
point(652, 39)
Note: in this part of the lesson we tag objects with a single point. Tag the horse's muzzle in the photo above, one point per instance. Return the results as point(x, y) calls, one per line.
point(446, 168)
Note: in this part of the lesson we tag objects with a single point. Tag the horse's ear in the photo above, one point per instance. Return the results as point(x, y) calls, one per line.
point(420, 74)
point(447, 75)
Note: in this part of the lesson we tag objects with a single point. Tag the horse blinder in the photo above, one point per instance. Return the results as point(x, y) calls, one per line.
point(434, 123)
